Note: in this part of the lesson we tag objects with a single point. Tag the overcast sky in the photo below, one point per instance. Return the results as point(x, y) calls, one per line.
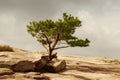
point(100, 23)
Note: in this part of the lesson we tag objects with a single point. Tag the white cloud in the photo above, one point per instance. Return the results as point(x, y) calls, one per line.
point(7, 25)
point(3, 42)
point(102, 30)
point(7, 19)
point(89, 25)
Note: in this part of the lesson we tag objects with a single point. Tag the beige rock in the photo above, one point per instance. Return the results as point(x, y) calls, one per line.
point(6, 48)
point(41, 63)
point(23, 66)
point(36, 76)
point(56, 65)
point(5, 71)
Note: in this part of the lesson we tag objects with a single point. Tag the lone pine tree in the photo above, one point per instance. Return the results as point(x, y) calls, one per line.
point(52, 33)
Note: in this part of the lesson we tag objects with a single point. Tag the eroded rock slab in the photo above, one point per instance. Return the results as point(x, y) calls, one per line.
point(23, 66)
point(55, 66)
point(5, 71)
point(41, 63)
point(8, 59)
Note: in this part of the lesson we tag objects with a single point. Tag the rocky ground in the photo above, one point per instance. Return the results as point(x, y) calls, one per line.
point(78, 67)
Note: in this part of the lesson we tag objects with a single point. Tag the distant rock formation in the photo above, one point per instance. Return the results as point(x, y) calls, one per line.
point(6, 48)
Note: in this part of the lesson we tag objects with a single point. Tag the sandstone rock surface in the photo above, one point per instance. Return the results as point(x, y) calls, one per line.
point(77, 67)
point(41, 63)
point(55, 66)
point(23, 66)
point(5, 71)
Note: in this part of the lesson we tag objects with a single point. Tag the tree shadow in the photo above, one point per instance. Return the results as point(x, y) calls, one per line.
point(5, 77)
point(93, 68)
point(43, 78)
point(76, 76)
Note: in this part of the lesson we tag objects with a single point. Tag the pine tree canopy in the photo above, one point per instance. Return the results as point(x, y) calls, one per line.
point(49, 33)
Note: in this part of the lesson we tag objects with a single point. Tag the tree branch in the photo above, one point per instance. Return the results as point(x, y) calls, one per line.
point(47, 40)
point(61, 47)
point(55, 42)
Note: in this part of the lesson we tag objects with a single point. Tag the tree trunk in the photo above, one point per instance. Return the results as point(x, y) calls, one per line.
point(50, 54)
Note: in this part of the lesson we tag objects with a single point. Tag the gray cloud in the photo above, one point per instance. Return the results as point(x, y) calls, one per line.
point(100, 20)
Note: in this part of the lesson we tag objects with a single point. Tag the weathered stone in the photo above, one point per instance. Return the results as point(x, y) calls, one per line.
point(55, 66)
point(54, 55)
point(41, 63)
point(36, 76)
point(23, 66)
point(6, 48)
point(5, 71)
point(7, 64)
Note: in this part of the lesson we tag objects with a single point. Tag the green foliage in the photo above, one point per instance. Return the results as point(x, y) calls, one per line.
point(79, 42)
point(49, 32)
